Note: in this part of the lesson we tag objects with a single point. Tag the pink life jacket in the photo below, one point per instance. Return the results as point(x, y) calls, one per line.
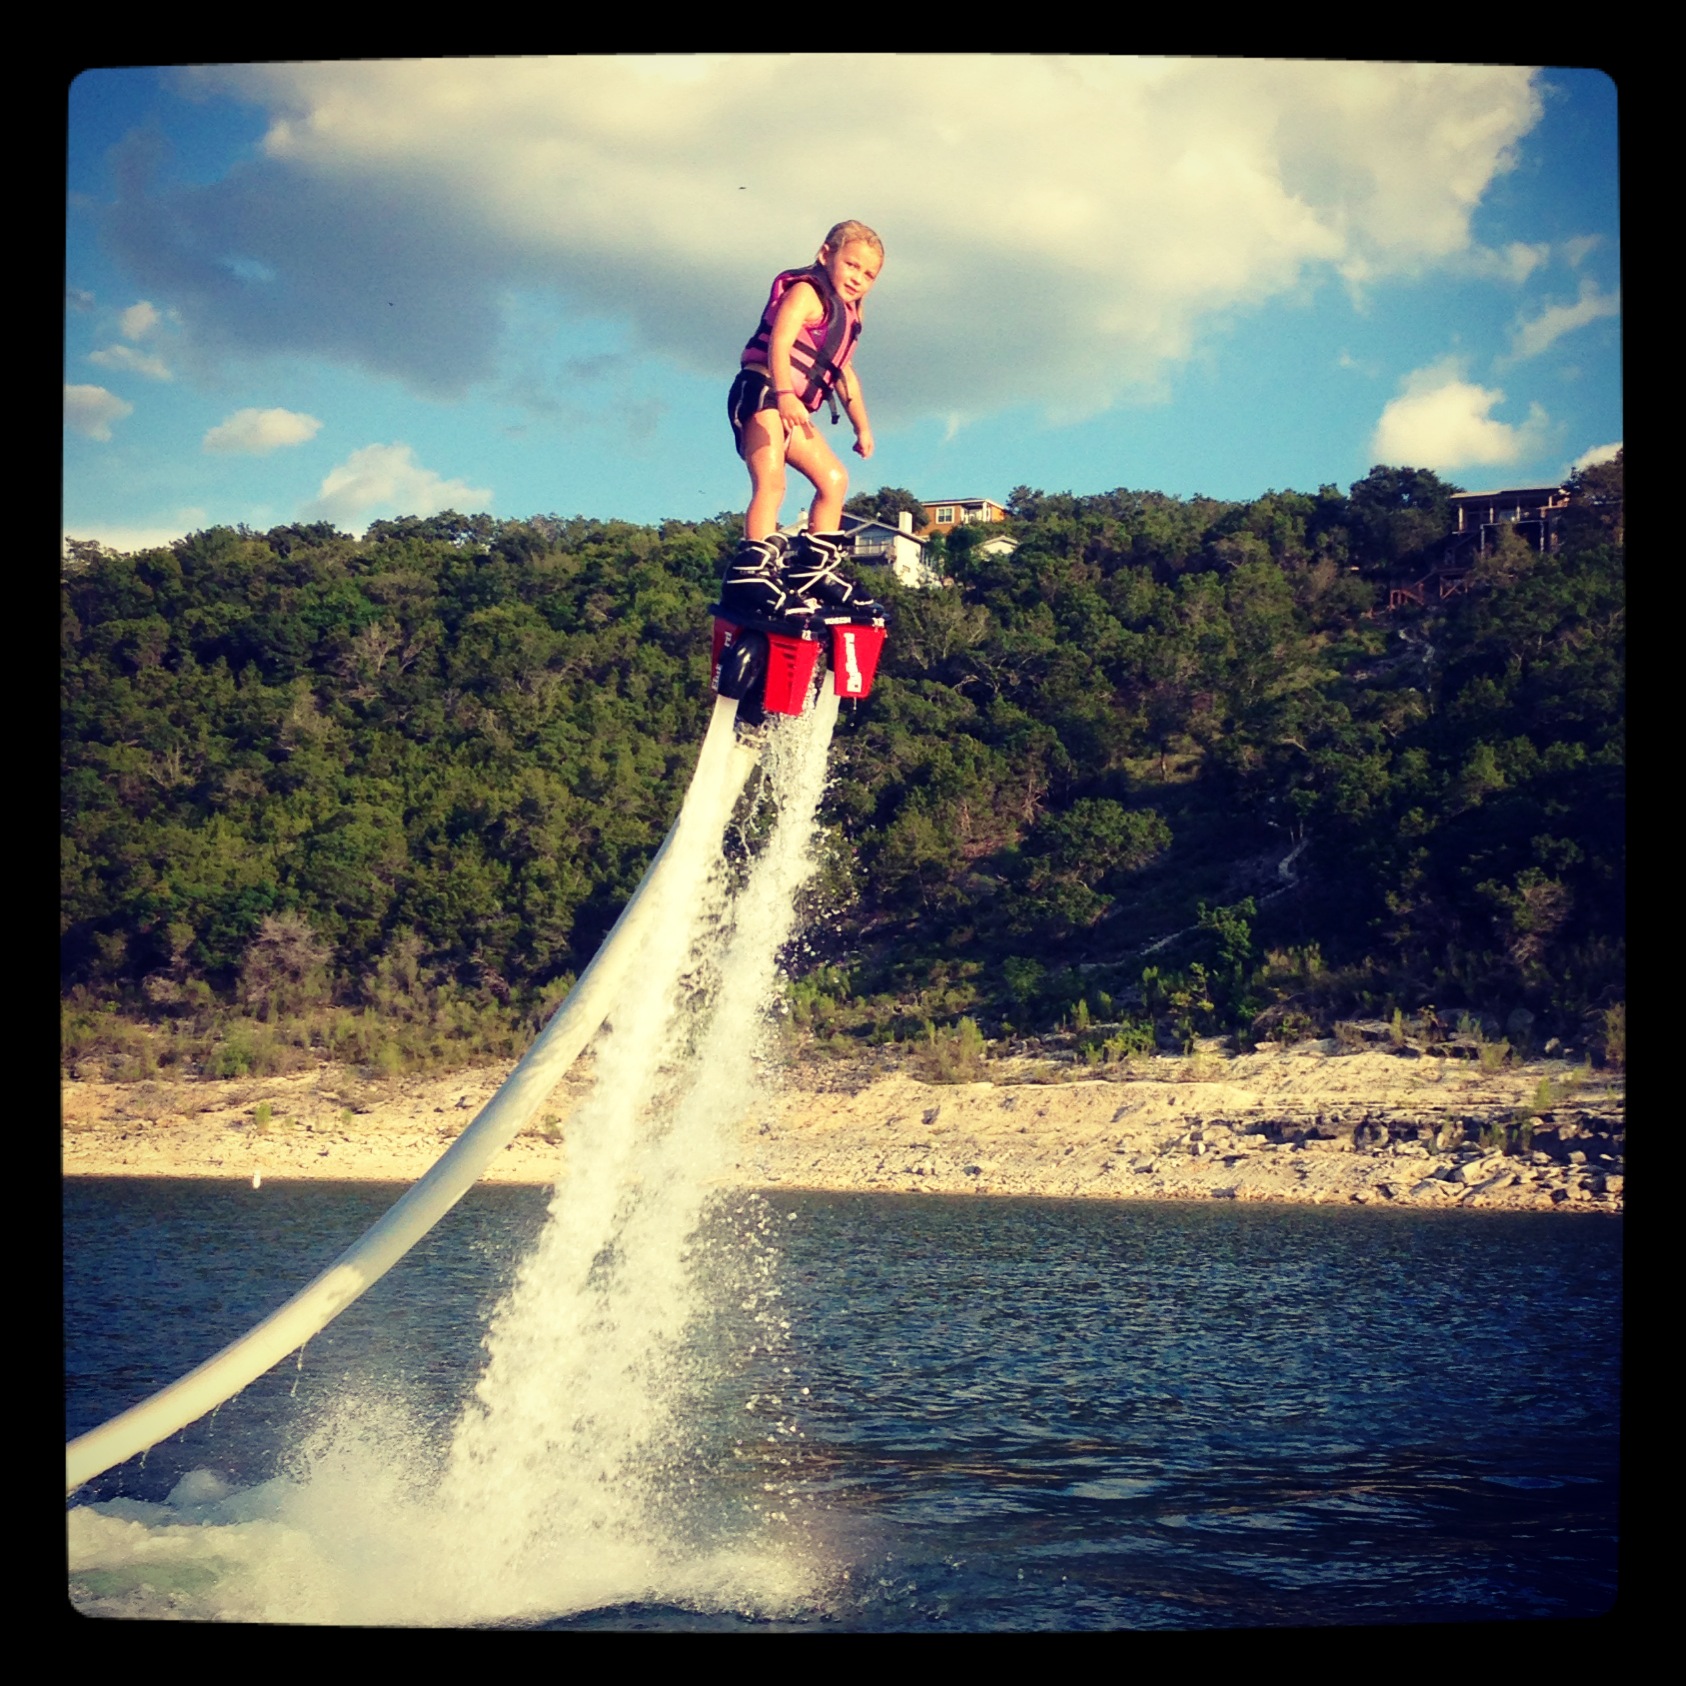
point(821, 352)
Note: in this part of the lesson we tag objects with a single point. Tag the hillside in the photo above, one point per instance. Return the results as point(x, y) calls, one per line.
point(1171, 769)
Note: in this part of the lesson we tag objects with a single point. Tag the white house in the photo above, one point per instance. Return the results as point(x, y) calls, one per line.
point(898, 548)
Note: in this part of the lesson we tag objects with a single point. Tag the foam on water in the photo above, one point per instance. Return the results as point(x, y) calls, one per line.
point(609, 1454)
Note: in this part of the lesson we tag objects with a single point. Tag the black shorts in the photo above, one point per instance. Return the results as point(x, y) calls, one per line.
point(751, 391)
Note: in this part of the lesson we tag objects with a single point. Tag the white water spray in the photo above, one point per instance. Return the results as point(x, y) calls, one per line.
point(592, 1466)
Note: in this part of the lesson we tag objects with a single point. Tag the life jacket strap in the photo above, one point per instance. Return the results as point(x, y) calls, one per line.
point(819, 367)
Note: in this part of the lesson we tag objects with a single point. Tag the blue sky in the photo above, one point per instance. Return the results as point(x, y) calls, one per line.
point(353, 290)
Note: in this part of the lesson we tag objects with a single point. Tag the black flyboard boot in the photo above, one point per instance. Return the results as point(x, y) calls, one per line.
point(813, 569)
point(754, 586)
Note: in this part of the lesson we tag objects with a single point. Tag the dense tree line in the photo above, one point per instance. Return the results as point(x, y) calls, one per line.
point(419, 773)
point(1100, 728)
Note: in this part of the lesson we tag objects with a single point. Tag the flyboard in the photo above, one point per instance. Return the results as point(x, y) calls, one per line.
point(758, 668)
point(770, 664)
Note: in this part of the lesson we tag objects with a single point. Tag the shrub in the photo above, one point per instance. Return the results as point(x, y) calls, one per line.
point(952, 1056)
point(232, 1057)
point(284, 968)
point(1613, 1027)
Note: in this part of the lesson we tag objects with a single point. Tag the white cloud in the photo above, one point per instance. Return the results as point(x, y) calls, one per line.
point(257, 432)
point(386, 480)
point(133, 362)
point(1556, 320)
point(1059, 230)
point(91, 410)
point(132, 539)
point(1443, 421)
point(1513, 263)
point(138, 321)
point(1598, 454)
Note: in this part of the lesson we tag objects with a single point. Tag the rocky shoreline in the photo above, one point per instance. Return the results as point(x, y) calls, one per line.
point(1314, 1123)
point(1171, 1139)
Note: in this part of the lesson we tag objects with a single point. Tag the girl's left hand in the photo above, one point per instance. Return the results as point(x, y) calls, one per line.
point(863, 442)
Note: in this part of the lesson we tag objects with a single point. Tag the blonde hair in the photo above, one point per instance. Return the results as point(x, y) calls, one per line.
point(845, 232)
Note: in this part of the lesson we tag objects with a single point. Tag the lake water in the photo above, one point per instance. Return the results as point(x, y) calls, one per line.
point(875, 1413)
point(643, 1405)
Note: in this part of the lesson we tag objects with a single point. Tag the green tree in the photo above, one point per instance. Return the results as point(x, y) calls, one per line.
point(886, 504)
point(1597, 505)
point(1399, 515)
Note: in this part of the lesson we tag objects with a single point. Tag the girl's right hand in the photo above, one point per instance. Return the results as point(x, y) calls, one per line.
point(794, 414)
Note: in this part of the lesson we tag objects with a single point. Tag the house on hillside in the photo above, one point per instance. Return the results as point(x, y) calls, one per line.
point(948, 513)
point(1533, 512)
point(879, 544)
point(954, 512)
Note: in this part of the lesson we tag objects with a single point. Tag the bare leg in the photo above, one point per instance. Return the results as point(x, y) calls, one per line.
point(764, 455)
point(811, 457)
point(813, 569)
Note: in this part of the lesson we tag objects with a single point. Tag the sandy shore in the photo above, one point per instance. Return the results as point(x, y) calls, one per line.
point(1313, 1123)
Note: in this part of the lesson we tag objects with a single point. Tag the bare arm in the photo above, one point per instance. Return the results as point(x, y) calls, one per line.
point(854, 405)
point(800, 308)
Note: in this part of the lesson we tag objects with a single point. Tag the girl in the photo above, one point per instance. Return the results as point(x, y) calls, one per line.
point(797, 359)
